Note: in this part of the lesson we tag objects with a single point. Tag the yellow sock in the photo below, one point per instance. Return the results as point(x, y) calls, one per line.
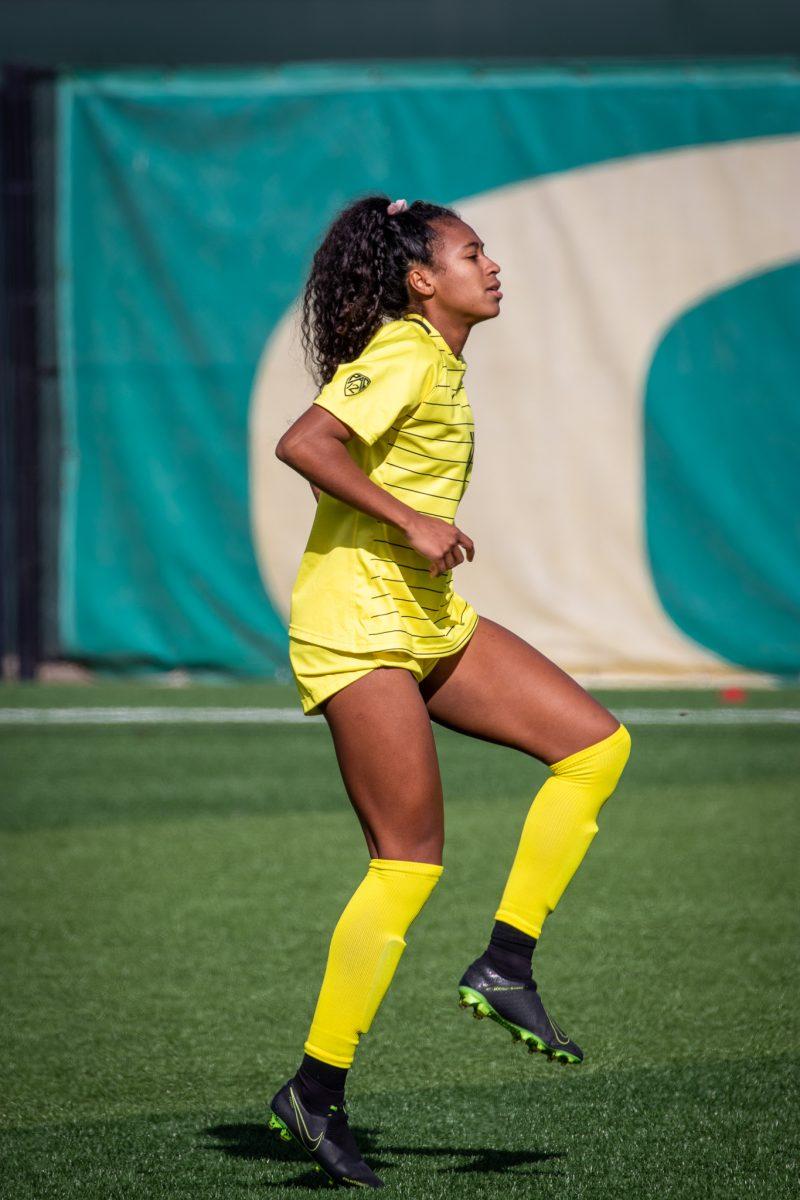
point(364, 952)
point(558, 830)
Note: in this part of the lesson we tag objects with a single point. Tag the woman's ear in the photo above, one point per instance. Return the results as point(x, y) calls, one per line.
point(420, 281)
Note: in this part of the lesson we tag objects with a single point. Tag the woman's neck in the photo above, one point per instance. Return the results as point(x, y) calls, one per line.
point(454, 330)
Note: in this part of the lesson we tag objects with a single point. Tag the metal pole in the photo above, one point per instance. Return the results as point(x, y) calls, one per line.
point(22, 493)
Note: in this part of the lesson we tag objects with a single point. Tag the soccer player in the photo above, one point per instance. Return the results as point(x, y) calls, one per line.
point(382, 644)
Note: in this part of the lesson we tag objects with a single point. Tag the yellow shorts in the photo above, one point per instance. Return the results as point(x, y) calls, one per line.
point(320, 672)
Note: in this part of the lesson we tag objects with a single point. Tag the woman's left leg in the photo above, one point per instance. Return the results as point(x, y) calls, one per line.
point(501, 689)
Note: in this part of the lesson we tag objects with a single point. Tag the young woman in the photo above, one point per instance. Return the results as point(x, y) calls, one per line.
point(382, 644)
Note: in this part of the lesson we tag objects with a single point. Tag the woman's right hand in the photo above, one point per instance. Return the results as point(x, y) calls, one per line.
point(439, 541)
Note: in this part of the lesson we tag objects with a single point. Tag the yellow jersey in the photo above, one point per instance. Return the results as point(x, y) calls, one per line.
point(360, 586)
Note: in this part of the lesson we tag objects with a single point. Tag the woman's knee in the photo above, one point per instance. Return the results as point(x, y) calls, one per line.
point(600, 764)
point(424, 850)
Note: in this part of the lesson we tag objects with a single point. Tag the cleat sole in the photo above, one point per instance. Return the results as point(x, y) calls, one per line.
point(280, 1128)
point(481, 1008)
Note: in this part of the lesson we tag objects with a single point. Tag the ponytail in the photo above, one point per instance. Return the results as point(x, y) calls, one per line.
point(358, 277)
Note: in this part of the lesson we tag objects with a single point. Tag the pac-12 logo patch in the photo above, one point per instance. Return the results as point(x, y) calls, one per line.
point(356, 383)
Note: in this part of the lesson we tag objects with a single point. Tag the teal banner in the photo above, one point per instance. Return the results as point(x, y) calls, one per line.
point(189, 206)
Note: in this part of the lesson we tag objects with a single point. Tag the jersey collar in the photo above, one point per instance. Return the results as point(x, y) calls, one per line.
point(434, 334)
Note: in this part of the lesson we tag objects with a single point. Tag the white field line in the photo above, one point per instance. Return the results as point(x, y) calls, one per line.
point(168, 715)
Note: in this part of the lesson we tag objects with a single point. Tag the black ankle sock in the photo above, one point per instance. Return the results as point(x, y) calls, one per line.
point(510, 951)
point(320, 1083)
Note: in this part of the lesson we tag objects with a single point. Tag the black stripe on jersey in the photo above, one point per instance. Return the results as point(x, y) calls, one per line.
point(419, 321)
point(401, 546)
point(407, 433)
point(403, 600)
point(375, 616)
point(463, 610)
point(422, 421)
point(428, 620)
point(429, 474)
point(406, 616)
point(437, 337)
point(430, 495)
point(451, 648)
point(416, 586)
point(415, 603)
point(461, 462)
point(435, 457)
point(425, 513)
point(425, 636)
point(405, 566)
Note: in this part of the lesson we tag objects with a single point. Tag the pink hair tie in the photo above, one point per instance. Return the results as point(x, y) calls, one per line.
point(397, 206)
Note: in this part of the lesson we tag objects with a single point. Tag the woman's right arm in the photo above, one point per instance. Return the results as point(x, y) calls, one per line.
point(314, 446)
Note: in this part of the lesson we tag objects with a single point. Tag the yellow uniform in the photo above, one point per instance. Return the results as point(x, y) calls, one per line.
point(363, 599)
point(361, 591)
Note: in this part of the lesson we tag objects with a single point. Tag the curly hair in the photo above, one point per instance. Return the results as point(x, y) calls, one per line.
point(358, 277)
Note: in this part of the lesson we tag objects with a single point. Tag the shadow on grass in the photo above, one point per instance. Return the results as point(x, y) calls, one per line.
point(252, 1141)
point(484, 1161)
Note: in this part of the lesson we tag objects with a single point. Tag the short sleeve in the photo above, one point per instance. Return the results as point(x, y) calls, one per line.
point(384, 384)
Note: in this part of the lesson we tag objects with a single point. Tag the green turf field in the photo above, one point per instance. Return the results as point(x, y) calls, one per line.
point(169, 892)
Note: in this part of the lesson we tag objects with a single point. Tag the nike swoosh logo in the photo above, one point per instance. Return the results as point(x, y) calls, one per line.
point(309, 1142)
point(560, 1038)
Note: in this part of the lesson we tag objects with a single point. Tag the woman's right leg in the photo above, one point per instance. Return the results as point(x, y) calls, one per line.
point(384, 745)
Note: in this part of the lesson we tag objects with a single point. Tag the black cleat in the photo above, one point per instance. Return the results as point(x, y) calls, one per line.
point(328, 1139)
point(518, 1007)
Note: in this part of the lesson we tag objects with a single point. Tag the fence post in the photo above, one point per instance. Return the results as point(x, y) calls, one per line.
point(20, 462)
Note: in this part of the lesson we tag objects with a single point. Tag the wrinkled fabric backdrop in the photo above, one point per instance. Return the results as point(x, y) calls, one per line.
point(635, 499)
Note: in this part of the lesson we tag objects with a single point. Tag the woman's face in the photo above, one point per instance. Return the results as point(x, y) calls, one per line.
point(462, 279)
